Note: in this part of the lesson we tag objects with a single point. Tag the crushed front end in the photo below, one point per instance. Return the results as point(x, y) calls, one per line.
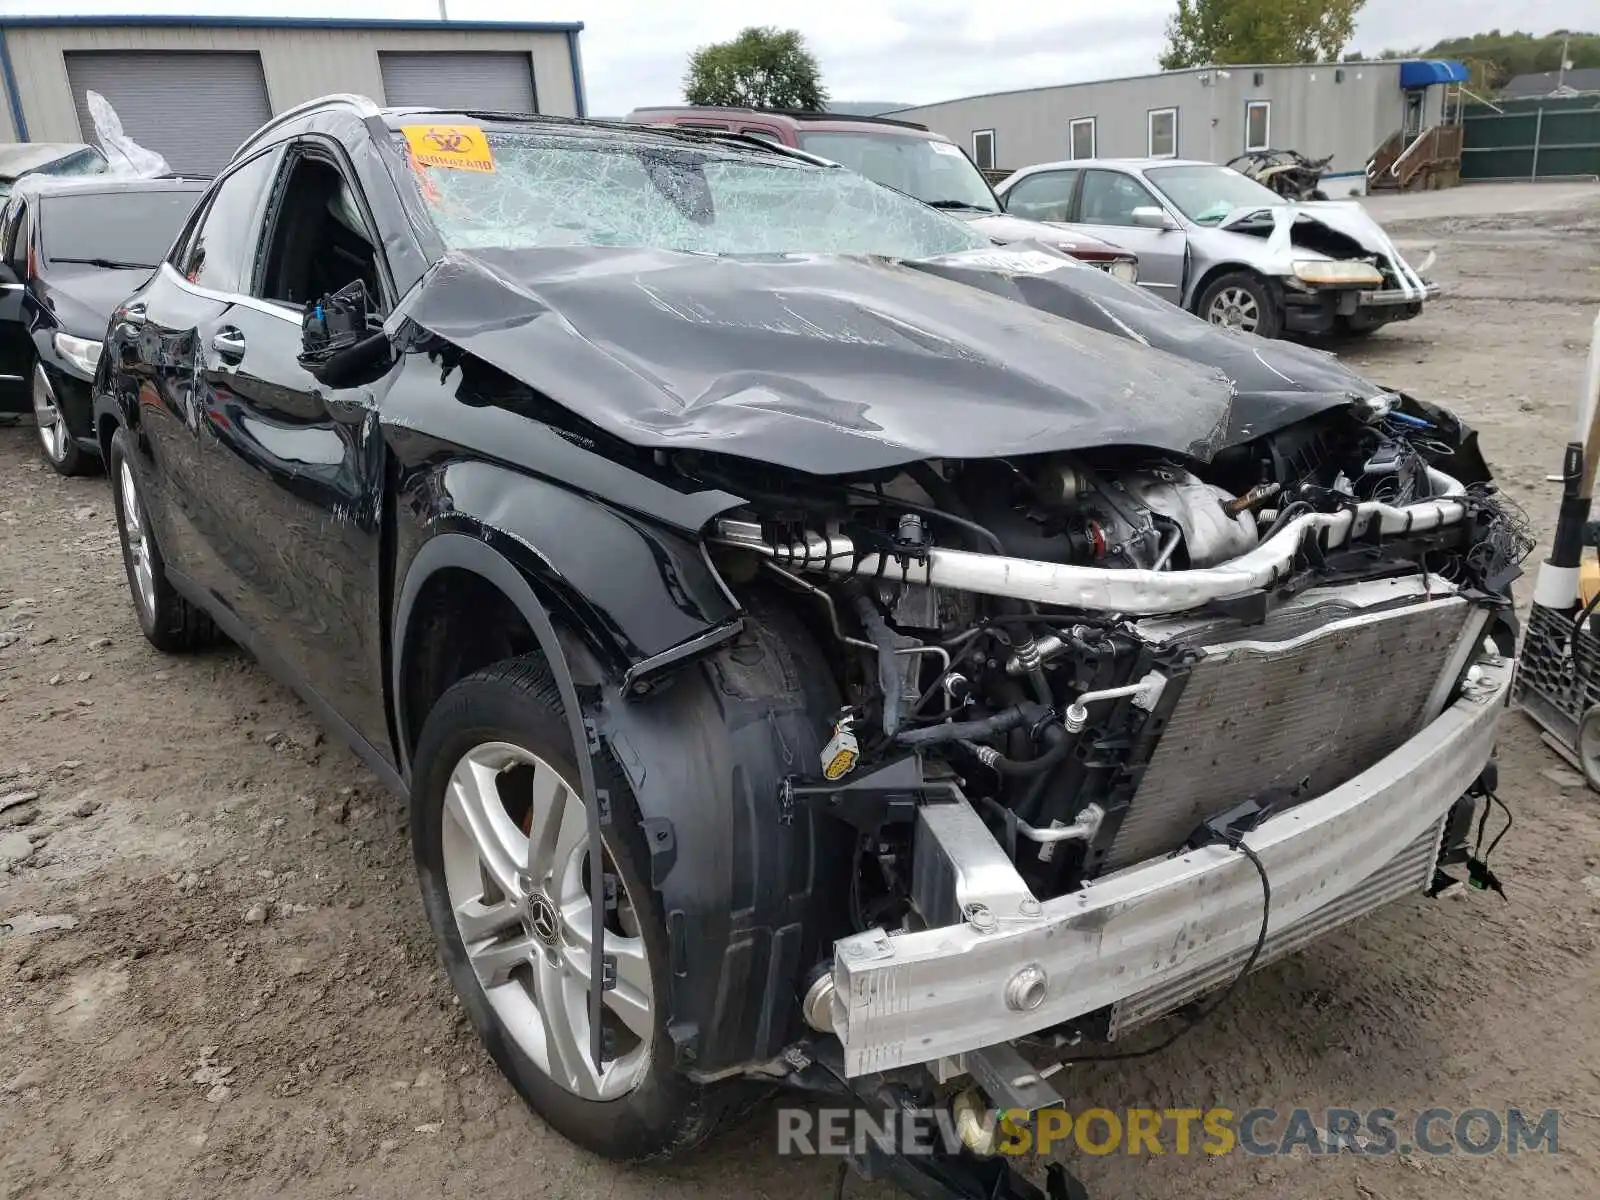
point(1075, 685)
point(1339, 271)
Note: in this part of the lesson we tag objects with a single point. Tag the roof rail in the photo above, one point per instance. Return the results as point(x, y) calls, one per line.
point(363, 106)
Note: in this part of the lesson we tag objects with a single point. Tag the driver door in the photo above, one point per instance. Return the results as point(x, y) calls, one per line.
point(1105, 203)
point(295, 469)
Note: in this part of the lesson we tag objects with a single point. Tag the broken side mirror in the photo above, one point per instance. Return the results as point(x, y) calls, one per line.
point(342, 342)
point(1151, 216)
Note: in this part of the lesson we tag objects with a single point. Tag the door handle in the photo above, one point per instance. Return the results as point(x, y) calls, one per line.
point(229, 343)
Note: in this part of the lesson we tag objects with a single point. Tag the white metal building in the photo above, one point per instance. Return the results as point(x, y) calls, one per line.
point(192, 88)
point(1344, 109)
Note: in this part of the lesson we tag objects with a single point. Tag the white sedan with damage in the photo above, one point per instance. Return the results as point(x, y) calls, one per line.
point(1226, 248)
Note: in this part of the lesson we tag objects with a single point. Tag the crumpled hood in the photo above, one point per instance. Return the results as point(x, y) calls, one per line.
point(1006, 229)
point(832, 365)
point(1344, 217)
point(1276, 383)
point(819, 363)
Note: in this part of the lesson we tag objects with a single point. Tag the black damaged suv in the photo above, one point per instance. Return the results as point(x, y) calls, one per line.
point(806, 633)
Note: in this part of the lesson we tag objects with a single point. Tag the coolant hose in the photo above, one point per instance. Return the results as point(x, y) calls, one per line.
point(1061, 742)
point(968, 731)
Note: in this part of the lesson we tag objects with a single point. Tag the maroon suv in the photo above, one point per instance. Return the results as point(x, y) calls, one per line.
point(909, 158)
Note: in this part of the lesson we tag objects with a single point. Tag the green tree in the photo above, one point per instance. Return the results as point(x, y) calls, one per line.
point(1504, 55)
point(1205, 32)
point(1495, 57)
point(764, 67)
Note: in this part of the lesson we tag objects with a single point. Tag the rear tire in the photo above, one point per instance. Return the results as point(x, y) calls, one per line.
point(1243, 301)
point(169, 622)
point(512, 713)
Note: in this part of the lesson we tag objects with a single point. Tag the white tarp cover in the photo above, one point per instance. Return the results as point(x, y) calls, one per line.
point(124, 156)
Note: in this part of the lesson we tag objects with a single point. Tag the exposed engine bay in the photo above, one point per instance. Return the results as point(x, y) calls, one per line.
point(1102, 649)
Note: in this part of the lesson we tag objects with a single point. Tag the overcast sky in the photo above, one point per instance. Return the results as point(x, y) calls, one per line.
point(912, 50)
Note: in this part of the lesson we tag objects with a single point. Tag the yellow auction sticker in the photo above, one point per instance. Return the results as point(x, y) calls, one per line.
point(463, 147)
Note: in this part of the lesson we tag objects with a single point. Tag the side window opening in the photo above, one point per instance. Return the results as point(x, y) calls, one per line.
point(1046, 196)
point(319, 239)
point(22, 236)
point(1109, 198)
point(179, 254)
point(220, 254)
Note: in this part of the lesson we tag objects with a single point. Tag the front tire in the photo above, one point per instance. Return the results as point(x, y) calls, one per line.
point(169, 622)
point(500, 838)
point(1244, 302)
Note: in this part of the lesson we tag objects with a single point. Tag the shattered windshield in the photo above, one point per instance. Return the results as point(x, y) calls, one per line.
point(561, 188)
point(1206, 194)
point(934, 172)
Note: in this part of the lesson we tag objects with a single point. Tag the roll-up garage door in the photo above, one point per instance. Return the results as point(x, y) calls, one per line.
point(194, 108)
point(498, 81)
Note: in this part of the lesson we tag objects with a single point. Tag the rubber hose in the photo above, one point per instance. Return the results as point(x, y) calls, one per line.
point(1061, 741)
point(967, 731)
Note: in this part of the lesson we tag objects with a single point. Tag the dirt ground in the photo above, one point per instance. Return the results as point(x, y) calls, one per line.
point(216, 979)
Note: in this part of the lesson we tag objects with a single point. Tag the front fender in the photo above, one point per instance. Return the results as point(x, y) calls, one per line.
point(643, 597)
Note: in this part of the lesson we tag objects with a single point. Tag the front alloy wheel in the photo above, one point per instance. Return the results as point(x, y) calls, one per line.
point(516, 868)
point(1242, 302)
point(61, 451)
point(500, 834)
point(1235, 308)
point(136, 543)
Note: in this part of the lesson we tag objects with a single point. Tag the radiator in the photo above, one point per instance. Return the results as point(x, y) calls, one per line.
point(1295, 708)
point(1408, 873)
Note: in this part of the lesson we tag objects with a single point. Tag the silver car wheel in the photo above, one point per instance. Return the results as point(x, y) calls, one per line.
point(138, 540)
point(516, 849)
point(53, 432)
point(1235, 308)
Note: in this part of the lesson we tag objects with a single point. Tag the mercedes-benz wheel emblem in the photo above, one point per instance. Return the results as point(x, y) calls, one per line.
point(543, 921)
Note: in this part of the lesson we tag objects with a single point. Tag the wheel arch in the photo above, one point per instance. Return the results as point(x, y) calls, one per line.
point(459, 552)
point(458, 566)
point(704, 757)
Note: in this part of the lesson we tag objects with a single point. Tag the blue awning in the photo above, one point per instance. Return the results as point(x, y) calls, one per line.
point(1425, 72)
